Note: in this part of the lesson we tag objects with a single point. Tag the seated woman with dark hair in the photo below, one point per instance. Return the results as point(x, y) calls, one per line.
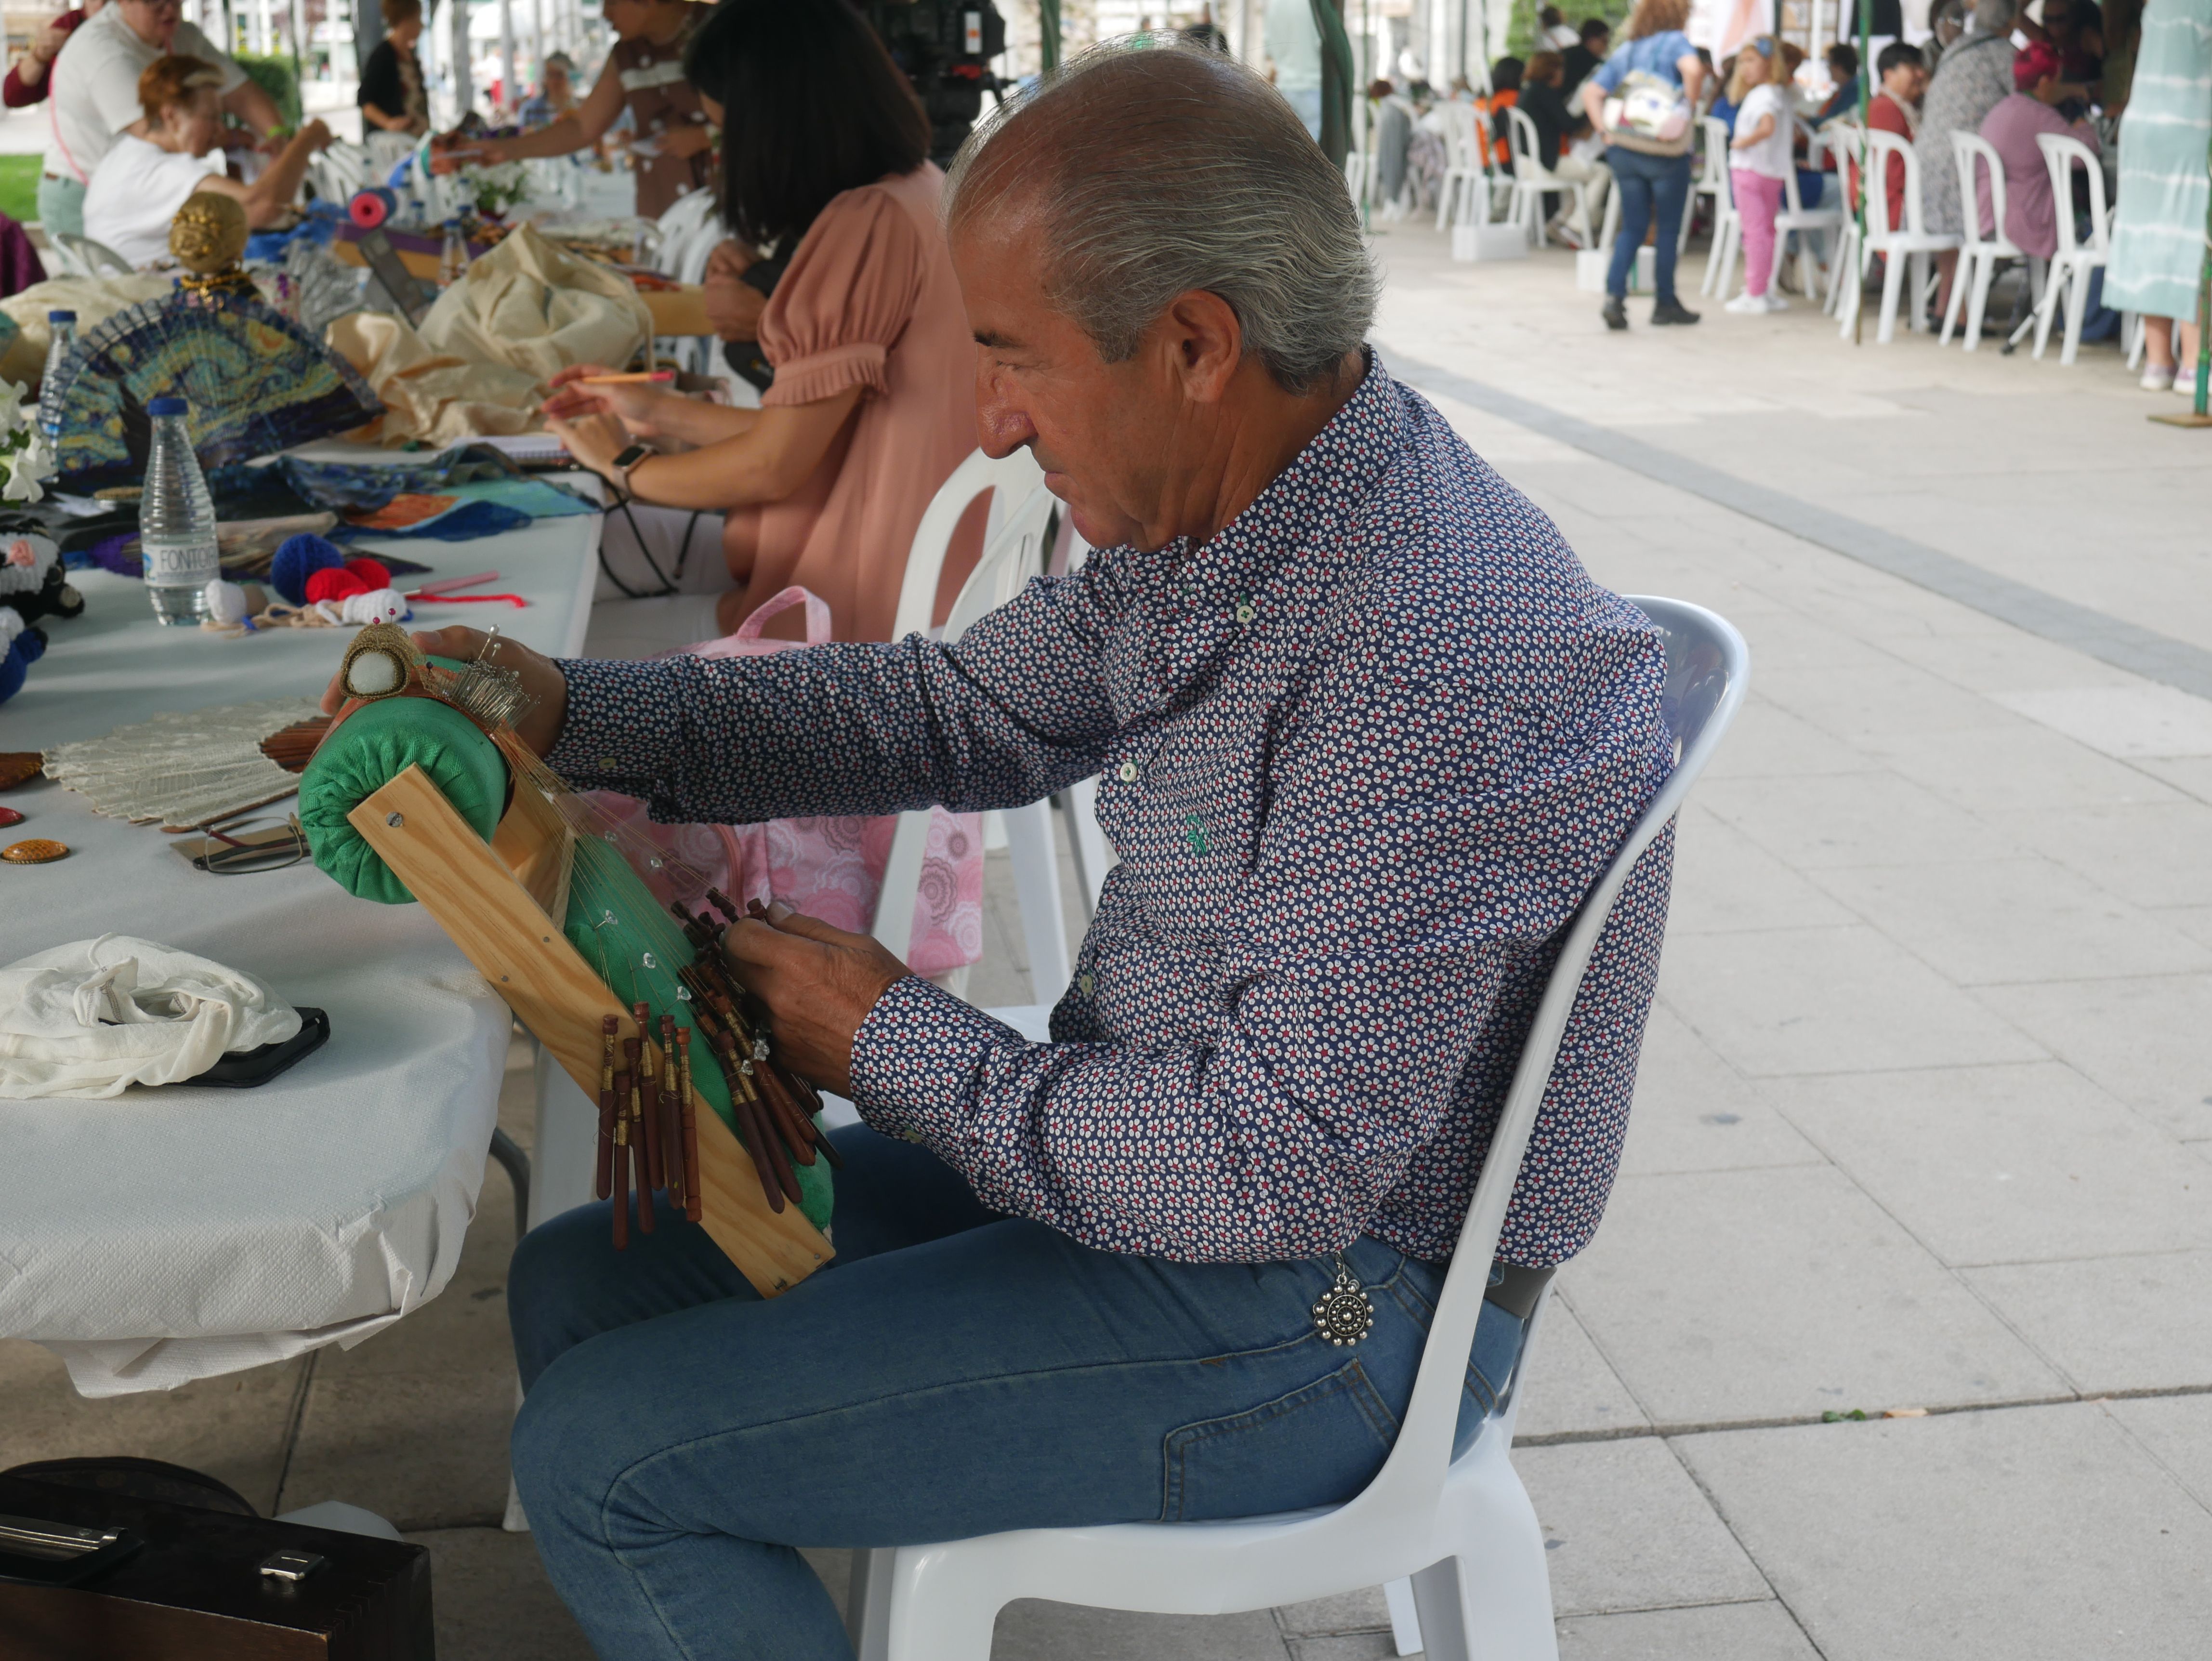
point(872, 404)
point(165, 156)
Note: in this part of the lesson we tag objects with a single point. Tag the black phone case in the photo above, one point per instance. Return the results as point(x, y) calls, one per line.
point(248, 1067)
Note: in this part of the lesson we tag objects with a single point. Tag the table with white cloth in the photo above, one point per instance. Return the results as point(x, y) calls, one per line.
point(175, 1233)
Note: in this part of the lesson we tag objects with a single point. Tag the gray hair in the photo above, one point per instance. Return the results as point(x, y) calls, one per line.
point(1995, 17)
point(1148, 173)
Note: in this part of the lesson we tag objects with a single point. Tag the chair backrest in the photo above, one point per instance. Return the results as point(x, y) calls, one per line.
point(1792, 202)
point(1707, 668)
point(1878, 148)
point(92, 258)
point(679, 224)
point(1461, 152)
point(1013, 552)
point(2062, 155)
point(1020, 505)
point(1973, 151)
point(1521, 133)
point(1716, 165)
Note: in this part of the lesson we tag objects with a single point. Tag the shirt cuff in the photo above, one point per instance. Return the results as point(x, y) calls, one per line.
point(623, 719)
point(918, 1064)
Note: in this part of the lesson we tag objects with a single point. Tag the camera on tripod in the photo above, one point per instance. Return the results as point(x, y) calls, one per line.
point(945, 48)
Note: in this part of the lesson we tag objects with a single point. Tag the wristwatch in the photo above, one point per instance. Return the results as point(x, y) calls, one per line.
point(627, 459)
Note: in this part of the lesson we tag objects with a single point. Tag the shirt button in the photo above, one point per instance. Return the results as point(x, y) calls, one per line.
point(606, 764)
point(1086, 983)
point(1127, 772)
point(1246, 611)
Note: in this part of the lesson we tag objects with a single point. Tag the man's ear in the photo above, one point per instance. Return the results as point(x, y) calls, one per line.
point(1204, 340)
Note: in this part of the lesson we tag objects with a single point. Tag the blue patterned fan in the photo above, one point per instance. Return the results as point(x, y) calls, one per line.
point(256, 381)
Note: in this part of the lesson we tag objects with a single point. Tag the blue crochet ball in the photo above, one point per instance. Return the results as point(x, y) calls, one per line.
point(299, 558)
point(14, 667)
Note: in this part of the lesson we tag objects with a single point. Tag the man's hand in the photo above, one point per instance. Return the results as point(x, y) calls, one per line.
point(540, 726)
point(595, 440)
point(819, 984)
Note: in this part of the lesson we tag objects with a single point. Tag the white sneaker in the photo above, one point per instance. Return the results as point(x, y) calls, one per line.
point(1747, 305)
point(2156, 380)
point(1775, 303)
point(2184, 382)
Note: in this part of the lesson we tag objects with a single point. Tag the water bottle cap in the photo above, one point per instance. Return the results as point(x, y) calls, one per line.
point(61, 317)
point(164, 406)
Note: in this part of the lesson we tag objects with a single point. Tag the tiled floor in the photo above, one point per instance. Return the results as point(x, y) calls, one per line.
point(1925, 1106)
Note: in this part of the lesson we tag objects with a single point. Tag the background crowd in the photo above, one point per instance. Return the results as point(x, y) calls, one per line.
point(2133, 84)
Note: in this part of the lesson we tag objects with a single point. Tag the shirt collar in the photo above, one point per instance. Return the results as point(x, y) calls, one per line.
point(1213, 590)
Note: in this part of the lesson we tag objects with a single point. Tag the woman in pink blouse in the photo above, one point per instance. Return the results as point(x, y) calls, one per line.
point(873, 400)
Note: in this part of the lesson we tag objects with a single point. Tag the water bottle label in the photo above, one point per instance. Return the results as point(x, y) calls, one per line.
point(180, 564)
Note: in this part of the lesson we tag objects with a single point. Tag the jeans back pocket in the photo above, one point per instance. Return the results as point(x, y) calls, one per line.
point(1317, 1445)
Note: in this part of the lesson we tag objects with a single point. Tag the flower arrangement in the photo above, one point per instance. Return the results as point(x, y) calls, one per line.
point(495, 187)
point(23, 448)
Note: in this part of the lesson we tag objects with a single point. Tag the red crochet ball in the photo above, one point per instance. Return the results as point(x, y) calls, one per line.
point(334, 584)
point(370, 572)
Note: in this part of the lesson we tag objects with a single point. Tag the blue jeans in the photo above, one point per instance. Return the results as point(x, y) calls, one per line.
point(61, 207)
point(1646, 184)
point(953, 1373)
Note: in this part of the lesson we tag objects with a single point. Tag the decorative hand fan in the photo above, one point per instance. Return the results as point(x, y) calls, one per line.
point(185, 768)
point(256, 381)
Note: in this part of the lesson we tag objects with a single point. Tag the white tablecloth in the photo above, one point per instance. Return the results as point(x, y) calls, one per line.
point(177, 1233)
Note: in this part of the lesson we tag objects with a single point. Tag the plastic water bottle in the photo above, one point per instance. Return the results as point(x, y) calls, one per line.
point(63, 325)
point(453, 261)
point(176, 520)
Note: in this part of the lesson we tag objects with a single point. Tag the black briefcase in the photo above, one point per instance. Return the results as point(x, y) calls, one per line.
point(93, 1575)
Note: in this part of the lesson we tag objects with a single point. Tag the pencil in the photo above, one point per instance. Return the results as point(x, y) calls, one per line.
point(641, 376)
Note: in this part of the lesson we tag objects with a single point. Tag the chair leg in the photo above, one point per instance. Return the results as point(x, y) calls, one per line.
point(2054, 288)
point(1492, 1600)
point(2077, 307)
point(952, 1624)
point(2131, 330)
point(1892, 284)
point(1977, 302)
point(1957, 293)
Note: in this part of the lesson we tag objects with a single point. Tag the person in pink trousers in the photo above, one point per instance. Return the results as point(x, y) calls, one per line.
point(1758, 163)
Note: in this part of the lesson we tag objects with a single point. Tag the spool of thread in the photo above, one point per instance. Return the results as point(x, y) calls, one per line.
point(372, 207)
point(226, 601)
point(335, 582)
point(298, 558)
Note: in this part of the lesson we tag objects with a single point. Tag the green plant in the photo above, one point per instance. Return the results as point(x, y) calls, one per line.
point(19, 187)
point(275, 75)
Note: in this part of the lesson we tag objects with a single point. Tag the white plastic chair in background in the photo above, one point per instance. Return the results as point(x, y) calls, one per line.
point(1900, 246)
point(1846, 143)
point(1462, 1529)
point(1467, 181)
point(2074, 267)
point(1979, 252)
point(1728, 227)
point(80, 256)
point(1533, 181)
point(1824, 221)
point(340, 170)
point(1013, 552)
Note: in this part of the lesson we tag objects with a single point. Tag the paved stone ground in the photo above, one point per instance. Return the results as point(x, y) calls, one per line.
point(1924, 1108)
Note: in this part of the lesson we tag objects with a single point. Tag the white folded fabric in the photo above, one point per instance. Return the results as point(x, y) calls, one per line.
point(89, 1019)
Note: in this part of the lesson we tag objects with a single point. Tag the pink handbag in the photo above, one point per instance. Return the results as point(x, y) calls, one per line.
point(830, 867)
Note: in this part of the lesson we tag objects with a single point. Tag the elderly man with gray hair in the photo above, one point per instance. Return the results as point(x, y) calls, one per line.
point(1366, 734)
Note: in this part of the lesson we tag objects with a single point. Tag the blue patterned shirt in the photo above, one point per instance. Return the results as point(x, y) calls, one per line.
point(1361, 755)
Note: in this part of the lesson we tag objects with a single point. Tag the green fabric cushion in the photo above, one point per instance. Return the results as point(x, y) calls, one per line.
point(374, 746)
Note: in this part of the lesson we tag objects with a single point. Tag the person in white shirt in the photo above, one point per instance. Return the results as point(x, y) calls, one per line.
point(96, 96)
point(1759, 159)
point(1558, 33)
point(174, 150)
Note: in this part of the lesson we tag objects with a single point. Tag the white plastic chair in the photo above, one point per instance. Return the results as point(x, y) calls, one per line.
point(1466, 180)
point(1899, 246)
point(1532, 180)
point(1978, 252)
point(1824, 221)
point(1728, 226)
point(1846, 143)
point(1462, 1529)
point(679, 226)
point(1013, 552)
point(2073, 267)
point(86, 257)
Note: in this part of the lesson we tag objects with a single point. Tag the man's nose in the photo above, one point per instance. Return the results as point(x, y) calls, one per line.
point(1002, 426)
